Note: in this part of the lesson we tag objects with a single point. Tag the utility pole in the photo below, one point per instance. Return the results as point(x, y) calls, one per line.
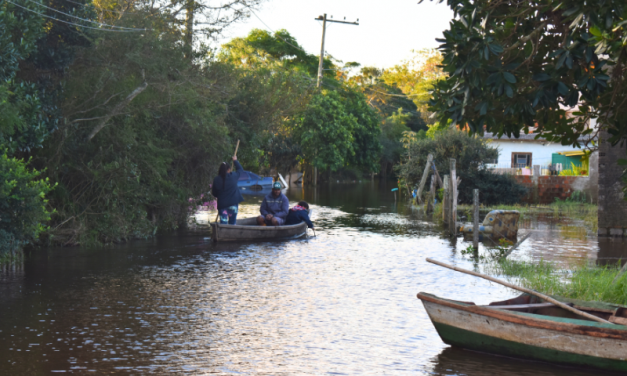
point(324, 29)
point(320, 70)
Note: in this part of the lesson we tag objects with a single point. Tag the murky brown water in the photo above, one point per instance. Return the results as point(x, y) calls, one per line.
point(343, 302)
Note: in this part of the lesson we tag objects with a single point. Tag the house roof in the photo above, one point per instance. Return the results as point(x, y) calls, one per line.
point(531, 137)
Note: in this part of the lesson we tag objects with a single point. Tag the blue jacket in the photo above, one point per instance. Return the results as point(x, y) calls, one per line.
point(228, 193)
point(278, 207)
point(296, 217)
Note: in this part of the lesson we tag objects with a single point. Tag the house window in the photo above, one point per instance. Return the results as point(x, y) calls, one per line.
point(520, 160)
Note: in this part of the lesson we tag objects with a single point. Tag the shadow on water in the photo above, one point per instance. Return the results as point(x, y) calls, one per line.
point(342, 302)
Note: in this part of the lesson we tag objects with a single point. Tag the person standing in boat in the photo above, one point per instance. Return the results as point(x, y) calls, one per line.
point(226, 192)
point(274, 208)
point(299, 213)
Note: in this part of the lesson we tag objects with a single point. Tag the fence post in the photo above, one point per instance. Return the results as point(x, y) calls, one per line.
point(475, 219)
point(431, 195)
point(445, 199)
point(453, 193)
point(425, 174)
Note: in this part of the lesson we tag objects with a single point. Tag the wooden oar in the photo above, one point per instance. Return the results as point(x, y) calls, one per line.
point(522, 289)
point(235, 154)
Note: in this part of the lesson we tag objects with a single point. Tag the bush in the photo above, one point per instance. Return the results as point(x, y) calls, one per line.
point(493, 189)
point(22, 206)
point(470, 153)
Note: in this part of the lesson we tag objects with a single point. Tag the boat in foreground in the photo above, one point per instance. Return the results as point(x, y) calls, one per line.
point(247, 229)
point(527, 327)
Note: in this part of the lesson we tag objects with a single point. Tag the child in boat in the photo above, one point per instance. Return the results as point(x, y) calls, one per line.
point(299, 213)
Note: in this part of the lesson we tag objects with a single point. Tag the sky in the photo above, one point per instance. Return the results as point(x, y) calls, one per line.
point(387, 32)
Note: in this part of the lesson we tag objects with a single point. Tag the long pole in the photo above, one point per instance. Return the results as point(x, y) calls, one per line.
point(475, 219)
point(324, 30)
point(522, 289)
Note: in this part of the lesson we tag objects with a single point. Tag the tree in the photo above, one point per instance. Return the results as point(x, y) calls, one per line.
point(416, 78)
point(325, 131)
point(22, 206)
point(470, 153)
point(516, 65)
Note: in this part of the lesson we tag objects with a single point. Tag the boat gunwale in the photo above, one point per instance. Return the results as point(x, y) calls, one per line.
point(257, 227)
point(593, 329)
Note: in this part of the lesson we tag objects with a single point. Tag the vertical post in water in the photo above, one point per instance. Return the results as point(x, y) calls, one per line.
point(452, 225)
point(431, 195)
point(445, 199)
point(475, 219)
point(425, 174)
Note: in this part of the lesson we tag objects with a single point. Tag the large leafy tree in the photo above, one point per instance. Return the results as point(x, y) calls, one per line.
point(513, 65)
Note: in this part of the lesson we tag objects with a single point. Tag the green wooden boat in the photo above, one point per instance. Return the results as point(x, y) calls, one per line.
point(527, 327)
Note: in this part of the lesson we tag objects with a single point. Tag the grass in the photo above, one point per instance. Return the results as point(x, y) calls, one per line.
point(582, 281)
point(571, 209)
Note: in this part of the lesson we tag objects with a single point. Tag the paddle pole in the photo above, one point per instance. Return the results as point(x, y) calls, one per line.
point(522, 289)
point(235, 154)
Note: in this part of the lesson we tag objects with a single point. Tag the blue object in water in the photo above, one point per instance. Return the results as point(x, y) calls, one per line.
point(248, 180)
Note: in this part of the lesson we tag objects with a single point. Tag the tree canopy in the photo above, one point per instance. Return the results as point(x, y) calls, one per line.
point(514, 65)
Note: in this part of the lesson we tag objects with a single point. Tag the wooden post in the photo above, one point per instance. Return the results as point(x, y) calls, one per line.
point(445, 199)
point(435, 171)
point(431, 195)
point(475, 219)
point(425, 174)
point(453, 193)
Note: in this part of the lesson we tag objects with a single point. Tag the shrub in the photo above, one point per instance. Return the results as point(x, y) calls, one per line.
point(494, 189)
point(22, 206)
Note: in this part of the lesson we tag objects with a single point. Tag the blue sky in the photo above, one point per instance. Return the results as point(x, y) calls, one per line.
point(387, 32)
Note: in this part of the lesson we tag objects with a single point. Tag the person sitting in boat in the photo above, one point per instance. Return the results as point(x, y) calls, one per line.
point(298, 214)
point(274, 208)
point(226, 192)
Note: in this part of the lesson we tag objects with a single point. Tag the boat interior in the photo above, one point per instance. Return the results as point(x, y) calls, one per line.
point(532, 304)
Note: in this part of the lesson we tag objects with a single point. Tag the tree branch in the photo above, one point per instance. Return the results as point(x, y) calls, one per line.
point(524, 39)
point(117, 109)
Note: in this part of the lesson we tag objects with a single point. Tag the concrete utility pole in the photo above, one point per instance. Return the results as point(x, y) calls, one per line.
point(324, 29)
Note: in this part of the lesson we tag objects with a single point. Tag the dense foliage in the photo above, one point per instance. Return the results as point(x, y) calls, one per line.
point(22, 205)
point(513, 65)
point(470, 153)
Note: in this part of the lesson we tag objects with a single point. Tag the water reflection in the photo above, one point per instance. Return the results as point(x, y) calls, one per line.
point(341, 302)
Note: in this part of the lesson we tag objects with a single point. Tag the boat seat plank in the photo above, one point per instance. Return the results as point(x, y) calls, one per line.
point(522, 306)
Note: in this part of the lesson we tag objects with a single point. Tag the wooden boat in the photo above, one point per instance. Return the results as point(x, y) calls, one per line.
point(247, 229)
point(526, 327)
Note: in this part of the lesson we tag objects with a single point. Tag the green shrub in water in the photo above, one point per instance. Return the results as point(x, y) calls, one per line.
point(22, 206)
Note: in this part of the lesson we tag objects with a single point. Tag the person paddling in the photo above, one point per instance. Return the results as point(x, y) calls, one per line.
point(299, 213)
point(274, 208)
point(225, 190)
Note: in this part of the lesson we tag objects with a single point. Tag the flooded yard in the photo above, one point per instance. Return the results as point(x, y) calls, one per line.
point(342, 302)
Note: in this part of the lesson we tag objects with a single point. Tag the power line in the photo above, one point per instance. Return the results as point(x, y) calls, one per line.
point(84, 19)
point(69, 23)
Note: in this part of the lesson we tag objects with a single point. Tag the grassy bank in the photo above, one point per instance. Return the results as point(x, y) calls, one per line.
point(582, 281)
point(574, 210)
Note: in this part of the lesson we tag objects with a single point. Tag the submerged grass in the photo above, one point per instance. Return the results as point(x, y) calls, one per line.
point(582, 281)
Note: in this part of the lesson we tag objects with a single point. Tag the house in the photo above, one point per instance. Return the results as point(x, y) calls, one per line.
point(517, 153)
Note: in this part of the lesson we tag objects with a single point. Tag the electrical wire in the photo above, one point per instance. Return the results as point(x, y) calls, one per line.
point(84, 19)
point(67, 22)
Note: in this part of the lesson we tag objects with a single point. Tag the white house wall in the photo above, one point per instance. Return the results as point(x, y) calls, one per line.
point(541, 154)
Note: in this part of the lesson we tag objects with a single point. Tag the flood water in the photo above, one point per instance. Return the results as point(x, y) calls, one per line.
point(342, 302)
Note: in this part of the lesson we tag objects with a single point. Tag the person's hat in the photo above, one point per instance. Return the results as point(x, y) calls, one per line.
point(277, 185)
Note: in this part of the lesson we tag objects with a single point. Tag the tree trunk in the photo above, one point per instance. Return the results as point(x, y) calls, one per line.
point(189, 28)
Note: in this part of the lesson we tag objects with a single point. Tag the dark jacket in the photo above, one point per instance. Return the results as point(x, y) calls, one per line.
point(296, 217)
point(228, 193)
point(278, 206)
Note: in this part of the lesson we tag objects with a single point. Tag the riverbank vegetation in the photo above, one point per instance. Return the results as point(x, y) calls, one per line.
point(580, 281)
point(124, 111)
